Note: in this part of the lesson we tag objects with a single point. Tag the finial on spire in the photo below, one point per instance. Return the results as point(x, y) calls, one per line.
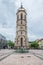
point(21, 5)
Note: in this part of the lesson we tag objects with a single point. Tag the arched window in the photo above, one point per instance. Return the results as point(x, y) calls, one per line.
point(17, 17)
point(25, 17)
point(21, 22)
point(21, 32)
point(21, 16)
point(21, 42)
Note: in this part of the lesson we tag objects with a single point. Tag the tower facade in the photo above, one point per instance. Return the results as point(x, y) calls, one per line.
point(21, 28)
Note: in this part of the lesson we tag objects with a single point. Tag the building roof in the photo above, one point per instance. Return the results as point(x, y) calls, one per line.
point(38, 40)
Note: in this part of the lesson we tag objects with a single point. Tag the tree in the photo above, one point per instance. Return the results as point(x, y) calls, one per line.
point(10, 44)
point(34, 45)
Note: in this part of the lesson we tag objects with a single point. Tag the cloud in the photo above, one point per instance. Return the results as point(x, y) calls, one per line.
point(7, 19)
point(8, 32)
point(34, 9)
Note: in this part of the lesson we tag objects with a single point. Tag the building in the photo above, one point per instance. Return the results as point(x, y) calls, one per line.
point(21, 28)
point(40, 42)
point(3, 42)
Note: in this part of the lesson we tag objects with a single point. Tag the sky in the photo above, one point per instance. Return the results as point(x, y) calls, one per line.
point(34, 9)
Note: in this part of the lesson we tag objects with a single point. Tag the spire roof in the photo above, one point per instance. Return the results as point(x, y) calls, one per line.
point(21, 5)
point(21, 9)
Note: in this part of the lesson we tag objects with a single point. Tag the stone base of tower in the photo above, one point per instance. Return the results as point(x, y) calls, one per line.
point(17, 47)
point(25, 45)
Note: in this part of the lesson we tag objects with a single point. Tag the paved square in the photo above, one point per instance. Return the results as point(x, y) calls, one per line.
point(21, 59)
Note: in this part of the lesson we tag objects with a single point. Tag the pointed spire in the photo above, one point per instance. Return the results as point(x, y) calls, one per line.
point(21, 5)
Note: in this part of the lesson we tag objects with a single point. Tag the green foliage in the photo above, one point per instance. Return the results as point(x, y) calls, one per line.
point(10, 43)
point(34, 45)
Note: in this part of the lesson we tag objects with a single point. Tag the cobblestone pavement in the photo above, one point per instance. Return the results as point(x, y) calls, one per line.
point(21, 59)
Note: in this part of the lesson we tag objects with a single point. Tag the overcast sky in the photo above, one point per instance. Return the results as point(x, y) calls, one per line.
point(34, 9)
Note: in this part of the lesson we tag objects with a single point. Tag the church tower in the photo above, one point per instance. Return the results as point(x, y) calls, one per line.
point(21, 28)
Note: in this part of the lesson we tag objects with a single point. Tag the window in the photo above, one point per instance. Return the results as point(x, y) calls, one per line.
point(21, 16)
point(21, 32)
point(17, 17)
point(21, 42)
point(21, 22)
point(25, 17)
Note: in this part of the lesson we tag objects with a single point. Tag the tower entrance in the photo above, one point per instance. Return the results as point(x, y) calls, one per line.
point(21, 42)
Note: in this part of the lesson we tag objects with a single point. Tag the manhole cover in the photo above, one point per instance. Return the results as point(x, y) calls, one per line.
point(22, 56)
point(28, 56)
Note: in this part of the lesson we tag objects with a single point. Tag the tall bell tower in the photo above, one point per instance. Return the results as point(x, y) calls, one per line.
point(21, 28)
